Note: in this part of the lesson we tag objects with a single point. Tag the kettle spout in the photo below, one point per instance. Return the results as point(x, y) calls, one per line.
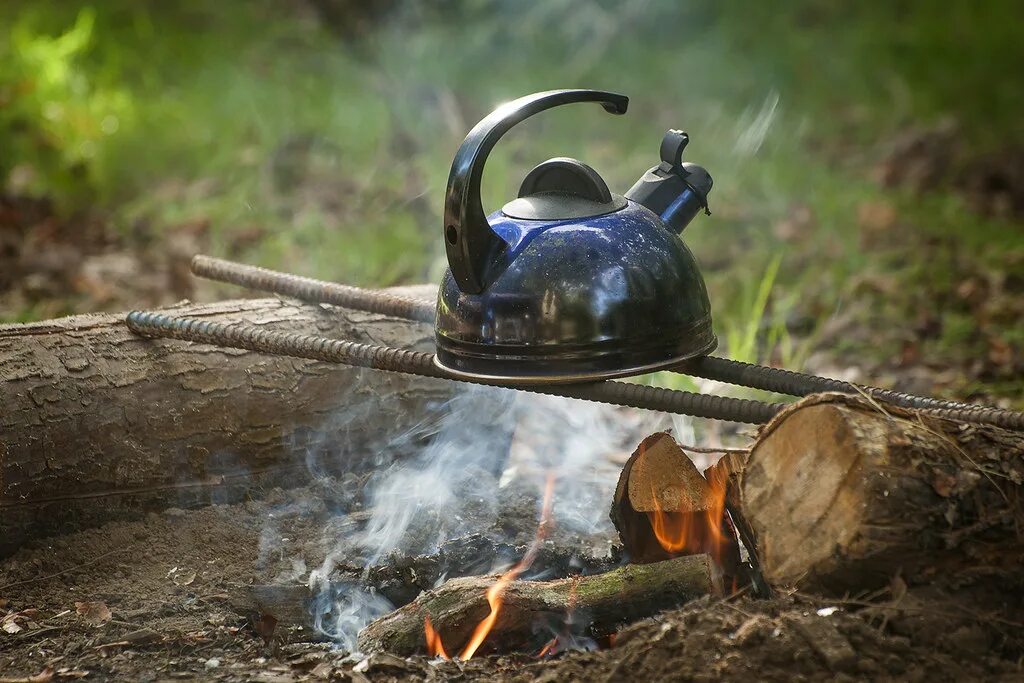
point(674, 190)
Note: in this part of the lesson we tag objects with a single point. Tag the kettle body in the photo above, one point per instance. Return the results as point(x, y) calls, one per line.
point(573, 283)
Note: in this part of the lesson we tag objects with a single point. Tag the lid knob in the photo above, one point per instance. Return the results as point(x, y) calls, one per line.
point(563, 189)
point(566, 176)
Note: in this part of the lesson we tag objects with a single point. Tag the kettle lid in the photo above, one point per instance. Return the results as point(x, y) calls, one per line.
point(563, 189)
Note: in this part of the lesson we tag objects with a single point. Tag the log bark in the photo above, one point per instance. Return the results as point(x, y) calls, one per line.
point(533, 611)
point(843, 495)
point(98, 423)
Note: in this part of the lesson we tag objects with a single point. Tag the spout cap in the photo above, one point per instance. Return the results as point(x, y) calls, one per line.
point(674, 190)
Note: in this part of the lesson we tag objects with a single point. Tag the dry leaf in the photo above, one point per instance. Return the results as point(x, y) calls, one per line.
point(94, 613)
point(44, 676)
point(181, 577)
point(897, 588)
point(16, 622)
point(265, 626)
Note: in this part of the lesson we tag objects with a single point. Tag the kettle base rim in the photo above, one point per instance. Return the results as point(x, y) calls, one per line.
point(580, 377)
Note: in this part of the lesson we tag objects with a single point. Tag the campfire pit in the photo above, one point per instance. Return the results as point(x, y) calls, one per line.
point(225, 589)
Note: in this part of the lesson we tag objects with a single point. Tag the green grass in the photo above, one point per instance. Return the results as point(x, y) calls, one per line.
point(172, 113)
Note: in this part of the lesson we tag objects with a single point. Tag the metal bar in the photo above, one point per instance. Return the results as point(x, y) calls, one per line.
point(719, 369)
point(783, 381)
point(312, 290)
point(255, 338)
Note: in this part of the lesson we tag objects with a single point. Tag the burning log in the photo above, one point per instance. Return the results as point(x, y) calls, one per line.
point(664, 508)
point(532, 611)
point(842, 494)
point(98, 422)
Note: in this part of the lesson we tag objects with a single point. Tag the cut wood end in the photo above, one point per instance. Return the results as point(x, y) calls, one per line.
point(662, 477)
point(840, 494)
point(802, 491)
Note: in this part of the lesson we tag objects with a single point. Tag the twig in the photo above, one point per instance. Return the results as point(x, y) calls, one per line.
point(706, 449)
point(63, 571)
point(960, 610)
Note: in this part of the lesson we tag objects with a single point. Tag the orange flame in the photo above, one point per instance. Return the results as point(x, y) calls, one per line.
point(684, 533)
point(548, 648)
point(435, 648)
point(495, 592)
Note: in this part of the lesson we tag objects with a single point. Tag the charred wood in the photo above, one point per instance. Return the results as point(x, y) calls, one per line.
point(532, 611)
point(664, 508)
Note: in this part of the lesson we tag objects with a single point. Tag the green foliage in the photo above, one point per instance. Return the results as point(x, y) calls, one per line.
point(741, 338)
point(314, 150)
point(54, 117)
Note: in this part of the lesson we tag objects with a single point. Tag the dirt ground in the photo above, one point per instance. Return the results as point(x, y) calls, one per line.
point(156, 599)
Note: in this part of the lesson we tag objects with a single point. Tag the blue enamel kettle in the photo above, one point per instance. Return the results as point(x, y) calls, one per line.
point(570, 282)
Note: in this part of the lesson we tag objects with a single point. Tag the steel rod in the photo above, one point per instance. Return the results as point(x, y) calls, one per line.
point(255, 338)
point(311, 290)
point(793, 383)
point(709, 367)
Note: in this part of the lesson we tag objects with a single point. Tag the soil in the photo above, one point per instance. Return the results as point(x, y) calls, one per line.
point(930, 158)
point(51, 265)
point(154, 599)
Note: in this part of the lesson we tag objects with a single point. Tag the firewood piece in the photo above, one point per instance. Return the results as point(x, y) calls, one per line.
point(98, 423)
point(841, 494)
point(660, 485)
point(605, 601)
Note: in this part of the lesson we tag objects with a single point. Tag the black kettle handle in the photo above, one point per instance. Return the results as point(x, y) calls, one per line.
point(468, 238)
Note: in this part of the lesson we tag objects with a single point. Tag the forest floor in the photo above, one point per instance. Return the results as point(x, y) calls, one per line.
point(154, 599)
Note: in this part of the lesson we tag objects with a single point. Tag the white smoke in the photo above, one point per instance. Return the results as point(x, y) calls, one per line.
point(487, 440)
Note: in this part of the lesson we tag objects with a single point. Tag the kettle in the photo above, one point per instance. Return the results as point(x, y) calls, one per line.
point(570, 282)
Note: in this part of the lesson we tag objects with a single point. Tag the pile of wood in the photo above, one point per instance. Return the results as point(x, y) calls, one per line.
point(838, 496)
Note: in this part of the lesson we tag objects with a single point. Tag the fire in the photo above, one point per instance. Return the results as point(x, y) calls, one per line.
point(495, 592)
point(435, 648)
point(684, 533)
point(549, 648)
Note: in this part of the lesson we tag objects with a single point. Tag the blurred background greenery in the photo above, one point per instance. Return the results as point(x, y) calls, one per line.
point(868, 157)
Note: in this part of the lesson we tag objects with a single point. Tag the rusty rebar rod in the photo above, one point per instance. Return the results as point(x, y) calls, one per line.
point(311, 290)
point(781, 381)
point(255, 338)
point(709, 367)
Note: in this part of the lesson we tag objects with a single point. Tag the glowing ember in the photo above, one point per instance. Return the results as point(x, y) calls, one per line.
point(495, 592)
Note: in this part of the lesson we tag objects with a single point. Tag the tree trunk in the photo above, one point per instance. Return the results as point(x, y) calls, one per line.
point(598, 605)
point(97, 422)
point(843, 495)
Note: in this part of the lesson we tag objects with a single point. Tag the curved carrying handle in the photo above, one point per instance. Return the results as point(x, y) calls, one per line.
point(468, 238)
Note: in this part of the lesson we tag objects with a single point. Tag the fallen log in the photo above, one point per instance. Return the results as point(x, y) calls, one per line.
point(532, 611)
point(98, 423)
point(841, 494)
